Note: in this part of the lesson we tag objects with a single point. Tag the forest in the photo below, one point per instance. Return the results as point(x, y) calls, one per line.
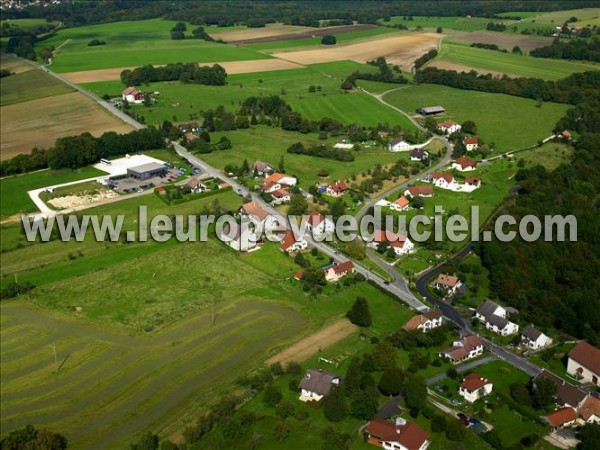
point(580, 49)
point(556, 284)
point(187, 73)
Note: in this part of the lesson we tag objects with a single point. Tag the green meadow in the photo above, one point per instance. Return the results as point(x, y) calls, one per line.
point(455, 23)
point(515, 65)
point(509, 122)
point(181, 102)
point(132, 44)
point(585, 16)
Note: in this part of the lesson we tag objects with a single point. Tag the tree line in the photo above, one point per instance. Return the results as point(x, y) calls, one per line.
point(573, 89)
point(321, 151)
point(579, 49)
point(420, 62)
point(78, 151)
point(385, 74)
point(214, 75)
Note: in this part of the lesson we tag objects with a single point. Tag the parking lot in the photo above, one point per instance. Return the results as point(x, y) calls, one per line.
point(126, 184)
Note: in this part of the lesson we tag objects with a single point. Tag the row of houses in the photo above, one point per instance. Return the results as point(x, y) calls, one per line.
point(445, 180)
point(494, 317)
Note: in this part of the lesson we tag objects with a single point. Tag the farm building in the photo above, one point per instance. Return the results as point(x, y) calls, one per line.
point(431, 110)
point(146, 171)
point(132, 95)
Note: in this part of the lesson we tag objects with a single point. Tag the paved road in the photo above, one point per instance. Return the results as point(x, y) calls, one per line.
point(461, 368)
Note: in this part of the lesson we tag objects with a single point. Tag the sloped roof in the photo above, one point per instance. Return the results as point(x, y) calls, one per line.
point(318, 381)
point(586, 355)
point(419, 153)
point(253, 208)
point(445, 175)
point(411, 436)
point(279, 193)
point(463, 161)
point(338, 186)
point(474, 381)
point(590, 407)
point(472, 180)
point(275, 177)
point(415, 322)
point(315, 218)
point(531, 333)
point(446, 124)
point(561, 416)
point(487, 308)
point(343, 267)
point(420, 190)
point(566, 393)
point(288, 241)
point(447, 280)
point(402, 202)
point(497, 321)
point(432, 315)
point(470, 140)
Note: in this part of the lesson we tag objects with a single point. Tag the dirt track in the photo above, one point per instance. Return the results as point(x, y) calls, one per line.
point(312, 32)
point(310, 345)
point(401, 50)
point(232, 67)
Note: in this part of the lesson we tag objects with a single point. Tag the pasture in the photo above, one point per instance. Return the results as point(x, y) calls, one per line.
point(431, 23)
point(467, 58)
point(181, 102)
point(503, 40)
point(38, 123)
point(585, 16)
point(132, 44)
point(507, 121)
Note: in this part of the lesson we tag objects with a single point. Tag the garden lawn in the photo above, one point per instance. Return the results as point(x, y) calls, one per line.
point(508, 122)
point(512, 65)
point(137, 43)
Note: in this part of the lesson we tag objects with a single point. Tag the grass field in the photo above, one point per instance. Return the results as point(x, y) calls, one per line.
point(586, 16)
point(180, 102)
point(26, 24)
point(514, 65)
point(13, 190)
point(493, 114)
point(135, 44)
point(30, 85)
point(431, 23)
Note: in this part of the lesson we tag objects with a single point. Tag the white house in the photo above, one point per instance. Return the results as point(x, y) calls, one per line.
point(337, 189)
point(400, 204)
point(464, 164)
point(448, 283)
point(319, 225)
point(419, 154)
point(494, 318)
point(474, 386)
point(448, 127)
point(563, 417)
point(241, 240)
point(398, 145)
point(589, 411)
point(534, 339)
point(277, 181)
point(489, 308)
point(425, 322)
point(401, 435)
point(443, 180)
point(471, 143)
point(263, 169)
point(468, 347)
point(584, 363)
point(402, 245)
point(290, 244)
point(280, 196)
point(316, 384)
point(132, 95)
point(419, 191)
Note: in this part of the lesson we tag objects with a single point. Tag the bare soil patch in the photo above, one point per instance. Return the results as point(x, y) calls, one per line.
point(309, 346)
point(502, 40)
point(232, 67)
point(276, 29)
point(71, 201)
point(462, 68)
point(38, 123)
point(400, 50)
point(311, 32)
point(12, 64)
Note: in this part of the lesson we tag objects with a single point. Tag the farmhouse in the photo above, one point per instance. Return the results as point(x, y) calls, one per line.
point(400, 204)
point(263, 169)
point(400, 435)
point(290, 244)
point(146, 171)
point(471, 143)
point(430, 110)
point(560, 418)
point(337, 189)
point(419, 191)
point(566, 394)
point(448, 127)
point(474, 386)
point(584, 363)
point(402, 245)
point(337, 271)
point(132, 95)
point(418, 154)
point(242, 240)
point(448, 283)
point(533, 338)
point(424, 322)
point(468, 347)
point(398, 145)
point(464, 164)
point(319, 225)
point(280, 196)
point(443, 180)
point(316, 384)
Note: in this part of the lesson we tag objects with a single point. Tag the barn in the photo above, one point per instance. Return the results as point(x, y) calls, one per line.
point(430, 110)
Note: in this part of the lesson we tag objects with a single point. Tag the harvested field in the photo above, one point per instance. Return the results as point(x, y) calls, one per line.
point(38, 123)
point(400, 50)
point(309, 346)
point(502, 40)
point(12, 64)
point(276, 29)
point(311, 32)
point(232, 67)
point(462, 68)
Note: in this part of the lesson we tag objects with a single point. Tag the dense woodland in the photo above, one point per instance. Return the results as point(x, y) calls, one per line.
point(258, 13)
point(187, 73)
point(581, 49)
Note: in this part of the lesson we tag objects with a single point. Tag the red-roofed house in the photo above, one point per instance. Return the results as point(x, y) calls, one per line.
point(280, 196)
point(443, 180)
point(448, 127)
point(474, 386)
point(562, 417)
point(464, 164)
point(319, 225)
point(449, 283)
point(419, 191)
point(475, 182)
point(402, 245)
point(400, 204)
point(471, 143)
point(467, 348)
point(425, 322)
point(337, 271)
point(337, 189)
point(290, 244)
point(589, 411)
point(132, 95)
point(584, 363)
point(277, 181)
point(399, 436)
